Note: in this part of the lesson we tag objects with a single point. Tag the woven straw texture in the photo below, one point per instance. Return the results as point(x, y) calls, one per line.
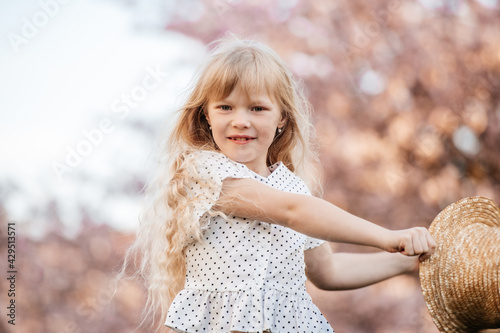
point(460, 282)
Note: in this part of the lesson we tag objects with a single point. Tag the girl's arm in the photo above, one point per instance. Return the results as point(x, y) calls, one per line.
point(342, 271)
point(317, 218)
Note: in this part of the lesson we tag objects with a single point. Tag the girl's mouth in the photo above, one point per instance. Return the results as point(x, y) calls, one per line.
point(241, 138)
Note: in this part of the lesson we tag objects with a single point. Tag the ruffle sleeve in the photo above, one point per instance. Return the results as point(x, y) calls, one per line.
point(311, 243)
point(210, 170)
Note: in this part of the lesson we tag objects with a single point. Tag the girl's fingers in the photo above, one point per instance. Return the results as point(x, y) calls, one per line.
point(418, 245)
point(407, 245)
point(409, 250)
point(418, 241)
point(432, 242)
point(424, 240)
point(432, 247)
point(423, 243)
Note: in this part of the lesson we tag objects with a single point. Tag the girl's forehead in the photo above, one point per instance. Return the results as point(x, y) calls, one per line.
point(254, 94)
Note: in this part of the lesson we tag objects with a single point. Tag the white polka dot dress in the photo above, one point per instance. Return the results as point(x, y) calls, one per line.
point(245, 275)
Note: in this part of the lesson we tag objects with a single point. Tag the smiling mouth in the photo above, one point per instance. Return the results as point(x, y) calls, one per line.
point(240, 138)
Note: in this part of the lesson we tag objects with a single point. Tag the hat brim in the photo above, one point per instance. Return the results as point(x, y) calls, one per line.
point(463, 265)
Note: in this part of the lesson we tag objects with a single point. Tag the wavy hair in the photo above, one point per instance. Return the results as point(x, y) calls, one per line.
point(166, 223)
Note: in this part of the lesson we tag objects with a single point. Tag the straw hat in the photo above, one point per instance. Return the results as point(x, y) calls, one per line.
point(461, 280)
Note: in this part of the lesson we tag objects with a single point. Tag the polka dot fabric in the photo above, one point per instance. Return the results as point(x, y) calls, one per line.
point(246, 275)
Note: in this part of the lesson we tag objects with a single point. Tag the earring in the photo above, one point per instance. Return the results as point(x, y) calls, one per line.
point(279, 130)
point(209, 127)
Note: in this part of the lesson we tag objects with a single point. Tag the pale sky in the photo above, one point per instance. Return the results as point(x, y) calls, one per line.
point(71, 70)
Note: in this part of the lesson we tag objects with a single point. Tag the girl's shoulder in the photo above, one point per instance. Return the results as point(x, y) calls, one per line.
point(207, 155)
point(290, 181)
point(210, 159)
point(216, 166)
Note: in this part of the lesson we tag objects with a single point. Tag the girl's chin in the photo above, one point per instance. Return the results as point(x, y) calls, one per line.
point(240, 157)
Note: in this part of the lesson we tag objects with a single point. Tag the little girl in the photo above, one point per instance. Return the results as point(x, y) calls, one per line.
point(233, 231)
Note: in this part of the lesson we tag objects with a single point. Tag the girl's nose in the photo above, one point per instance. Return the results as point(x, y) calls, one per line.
point(241, 119)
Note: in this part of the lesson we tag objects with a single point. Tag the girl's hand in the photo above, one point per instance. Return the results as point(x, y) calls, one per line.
point(412, 242)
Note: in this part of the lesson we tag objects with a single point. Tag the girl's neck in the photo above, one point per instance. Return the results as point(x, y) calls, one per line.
point(264, 172)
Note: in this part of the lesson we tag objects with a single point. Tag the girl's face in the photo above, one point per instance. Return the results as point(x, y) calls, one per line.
point(244, 126)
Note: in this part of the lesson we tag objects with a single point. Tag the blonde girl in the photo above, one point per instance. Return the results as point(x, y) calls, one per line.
point(233, 232)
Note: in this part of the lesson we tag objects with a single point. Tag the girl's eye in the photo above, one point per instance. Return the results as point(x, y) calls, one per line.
point(258, 108)
point(225, 107)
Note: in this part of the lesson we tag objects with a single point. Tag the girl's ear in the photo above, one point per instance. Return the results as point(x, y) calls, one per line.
point(206, 116)
point(283, 120)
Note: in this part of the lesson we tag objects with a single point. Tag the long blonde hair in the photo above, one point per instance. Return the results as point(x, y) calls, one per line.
point(166, 224)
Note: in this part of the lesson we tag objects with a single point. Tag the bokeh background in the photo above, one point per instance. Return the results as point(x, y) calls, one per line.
point(407, 109)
